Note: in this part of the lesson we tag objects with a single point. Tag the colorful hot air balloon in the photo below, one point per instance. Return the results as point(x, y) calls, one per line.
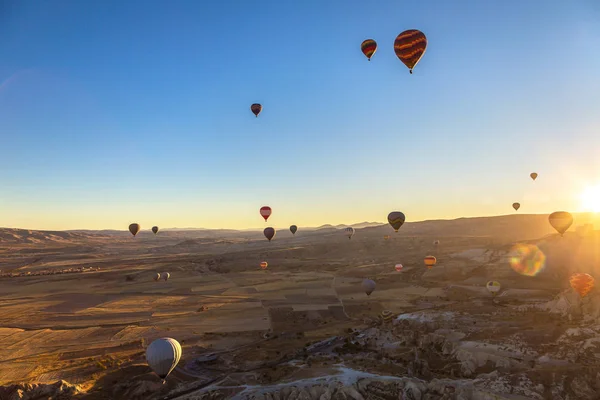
point(293, 229)
point(368, 286)
point(256, 109)
point(264, 265)
point(157, 277)
point(269, 233)
point(155, 229)
point(134, 229)
point(561, 221)
point(430, 261)
point(166, 276)
point(582, 283)
point(163, 355)
point(493, 287)
point(410, 46)
point(368, 47)
point(398, 267)
point(396, 219)
point(516, 206)
point(265, 211)
point(349, 231)
point(533, 175)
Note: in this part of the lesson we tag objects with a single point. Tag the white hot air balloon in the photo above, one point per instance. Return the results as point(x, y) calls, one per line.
point(163, 355)
point(349, 231)
point(166, 276)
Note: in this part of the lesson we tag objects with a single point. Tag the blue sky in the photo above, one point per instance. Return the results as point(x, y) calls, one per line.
point(115, 112)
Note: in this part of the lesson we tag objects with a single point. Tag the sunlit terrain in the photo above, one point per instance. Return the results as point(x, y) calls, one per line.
point(247, 331)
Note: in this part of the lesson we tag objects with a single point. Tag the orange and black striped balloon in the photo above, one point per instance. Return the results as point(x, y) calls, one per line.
point(582, 283)
point(410, 46)
point(369, 47)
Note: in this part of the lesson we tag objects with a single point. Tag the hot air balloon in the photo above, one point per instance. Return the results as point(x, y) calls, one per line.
point(436, 242)
point(163, 355)
point(533, 175)
point(166, 276)
point(134, 229)
point(293, 229)
point(516, 206)
point(155, 229)
point(561, 221)
point(256, 109)
point(396, 219)
point(582, 283)
point(493, 287)
point(398, 267)
point(269, 233)
point(368, 286)
point(430, 261)
point(264, 265)
point(387, 237)
point(265, 211)
point(157, 277)
point(349, 231)
point(410, 46)
point(368, 47)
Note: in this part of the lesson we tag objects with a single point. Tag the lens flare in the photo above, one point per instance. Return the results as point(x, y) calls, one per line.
point(527, 259)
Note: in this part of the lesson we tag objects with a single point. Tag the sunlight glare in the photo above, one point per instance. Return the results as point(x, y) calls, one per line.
point(590, 199)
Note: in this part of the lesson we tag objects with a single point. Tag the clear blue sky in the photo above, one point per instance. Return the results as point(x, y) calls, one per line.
point(114, 112)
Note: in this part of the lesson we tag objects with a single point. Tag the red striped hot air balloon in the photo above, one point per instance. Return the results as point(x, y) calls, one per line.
point(368, 47)
point(410, 46)
point(398, 267)
point(265, 212)
point(582, 283)
point(430, 261)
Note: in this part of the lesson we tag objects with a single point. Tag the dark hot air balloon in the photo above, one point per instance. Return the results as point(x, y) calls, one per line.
point(368, 47)
point(516, 206)
point(155, 229)
point(533, 175)
point(269, 233)
point(410, 46)
point(293, 229)
point(134, 229)
point(396, 219)
point(561, 221)
point(256, 109)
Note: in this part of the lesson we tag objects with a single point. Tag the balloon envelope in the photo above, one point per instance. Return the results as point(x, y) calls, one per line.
point(264, 265)
point(410, 46)
point(134, 229)
point(430, 261)
point(516, 206)
point(493, 287)
point(396, 219)
point(582, 283)
point(163, 355)
point(533, 175)
point(368, 286)
point(293, 229)
point(256, 109)
point(155, 229)
point(265, 211)
point(166, 276)
point(157, 276)
point(398, 267)
point(269, 233)
point(561, 221)
point(349, 231)
point(368, 47)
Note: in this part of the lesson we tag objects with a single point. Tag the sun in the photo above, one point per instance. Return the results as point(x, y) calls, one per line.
point(590, 199)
